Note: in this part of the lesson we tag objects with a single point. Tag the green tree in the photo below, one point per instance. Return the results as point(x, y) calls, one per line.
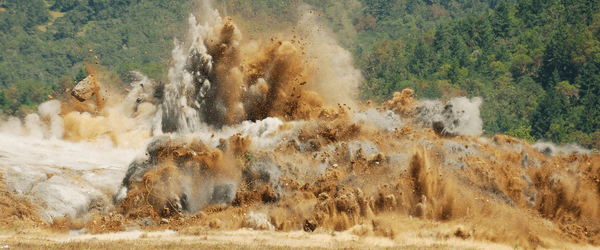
point(441, 42)
point(530, 10)
point(459, 51)
point(28, 13)
point(485, 37)
point(589, 82)
point(81, 74)
point(500, 19)
point(65, 5)
point(441, 39)
point(551, 111)
point(380, 9)
point(590, 119)
point(557, 58)
point(522, 133)
point(580, 11)
point(419, 60)
point(4, 101)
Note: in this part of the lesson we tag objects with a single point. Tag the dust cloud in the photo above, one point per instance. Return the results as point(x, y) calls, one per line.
point(265, 134)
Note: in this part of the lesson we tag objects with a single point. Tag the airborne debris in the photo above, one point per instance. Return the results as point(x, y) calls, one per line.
point(86, 88)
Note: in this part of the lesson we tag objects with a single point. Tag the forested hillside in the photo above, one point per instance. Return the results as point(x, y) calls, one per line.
point(536, 63)
point(45, 44)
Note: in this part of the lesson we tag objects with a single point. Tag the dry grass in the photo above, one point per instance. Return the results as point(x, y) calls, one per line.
point(56, 14)
point(149, 245)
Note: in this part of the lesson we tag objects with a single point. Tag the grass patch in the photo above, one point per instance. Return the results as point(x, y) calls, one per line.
point(56, 14)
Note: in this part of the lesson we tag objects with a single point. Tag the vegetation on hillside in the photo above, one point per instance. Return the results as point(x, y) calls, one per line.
point(536, 63)
point(47, 43)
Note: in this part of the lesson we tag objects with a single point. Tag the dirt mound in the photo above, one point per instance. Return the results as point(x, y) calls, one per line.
point(321, 179)
point(181, 174)
point(335, 174)
point(17, 212)
point(402, 102)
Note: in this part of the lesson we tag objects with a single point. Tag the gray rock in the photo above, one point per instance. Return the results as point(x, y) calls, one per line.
point(21, 179)
point(62, 196)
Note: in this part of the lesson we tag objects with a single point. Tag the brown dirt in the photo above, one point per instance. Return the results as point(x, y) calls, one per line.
point(17, 212)
point(487, 200)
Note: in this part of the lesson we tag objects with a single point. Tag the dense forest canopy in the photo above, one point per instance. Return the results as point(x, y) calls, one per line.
point(47, 43)
point(536, 63)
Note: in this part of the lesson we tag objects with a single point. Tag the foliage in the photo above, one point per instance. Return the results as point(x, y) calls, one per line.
point(522, 133)
point(123, 35)
point(535, 63)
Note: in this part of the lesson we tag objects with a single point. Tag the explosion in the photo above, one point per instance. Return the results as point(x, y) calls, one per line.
point(250, 134)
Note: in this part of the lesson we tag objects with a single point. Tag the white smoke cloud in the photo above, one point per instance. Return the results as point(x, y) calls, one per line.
point(12, 126)
point(457, 116)
point(470, 120)
point(387, 120)
point(551, 149)
point(337, 78)
point(34, 126)
point(46, 124)
point(51, 110)
point(258, 221)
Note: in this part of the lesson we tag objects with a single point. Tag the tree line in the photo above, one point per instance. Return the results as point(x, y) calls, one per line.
point(46, 44)
point(536, 63)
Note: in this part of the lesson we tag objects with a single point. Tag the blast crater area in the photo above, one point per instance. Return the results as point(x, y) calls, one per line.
point(266, 140)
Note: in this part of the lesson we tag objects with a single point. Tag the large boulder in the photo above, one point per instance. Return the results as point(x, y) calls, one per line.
point(86, 88)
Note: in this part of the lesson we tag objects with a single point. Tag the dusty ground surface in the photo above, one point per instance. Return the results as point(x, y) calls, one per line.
point(239, 239)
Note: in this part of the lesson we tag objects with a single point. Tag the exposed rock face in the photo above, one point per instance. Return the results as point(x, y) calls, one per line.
point(86, 88)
